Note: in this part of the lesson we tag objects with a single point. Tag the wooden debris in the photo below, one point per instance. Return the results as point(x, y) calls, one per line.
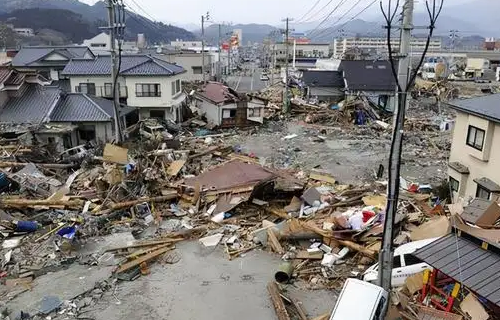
point(135, 263)
point(300, 310)
point(279, 305)
point(274, 242)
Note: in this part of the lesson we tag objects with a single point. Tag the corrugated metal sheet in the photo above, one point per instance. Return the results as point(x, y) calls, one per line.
point(368, 75)
point(231, 175)
point(81, 108)
point(465, 262)
point(31, 106)
point(131, 65)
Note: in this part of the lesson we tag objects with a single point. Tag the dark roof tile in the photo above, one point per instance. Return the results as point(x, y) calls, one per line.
point(323, 78)
point(484, 107)
point(32, 106)
point(141, 65)
point(368, 75)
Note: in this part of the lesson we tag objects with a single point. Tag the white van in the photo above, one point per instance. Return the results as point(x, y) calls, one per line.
point(360, 300)
point(404, 263)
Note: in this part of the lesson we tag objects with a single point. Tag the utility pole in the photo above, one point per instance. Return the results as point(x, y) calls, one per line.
point(273, 63)
point(114, 30)
point(203, 18)
point(219, 76)
point(387, 250)
point(286, 102)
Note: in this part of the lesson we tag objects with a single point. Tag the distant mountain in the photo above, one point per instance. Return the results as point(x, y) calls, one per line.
point(480, 15)
point(93, 15)
point(250, 32)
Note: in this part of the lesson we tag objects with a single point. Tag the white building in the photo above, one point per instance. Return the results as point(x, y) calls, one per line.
point(181, 44)
point(25, 32)
point(191, 62)
point(340, 46)
point(302, 50)
point(101, 45)
point(151, 85)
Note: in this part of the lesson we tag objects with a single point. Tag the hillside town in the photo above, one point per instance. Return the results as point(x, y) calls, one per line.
point(150, 177)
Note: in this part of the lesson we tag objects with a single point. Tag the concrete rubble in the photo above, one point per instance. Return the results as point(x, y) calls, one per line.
point(123, 213)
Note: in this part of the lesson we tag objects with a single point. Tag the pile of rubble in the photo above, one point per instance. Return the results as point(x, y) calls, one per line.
point(123, 208)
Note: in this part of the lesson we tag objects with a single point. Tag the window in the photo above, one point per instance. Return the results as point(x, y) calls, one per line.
point(147, 90)
point(98, 45)
point(380, 308)
point(178, 86)
point(454, 184)
point(197, 70)
point(411, 260)
point(87, 87)
point(228, 113)
point(51, 140)
point(475, 138)
point(254, 112)
point(87, 133)
point(108, 89)
point(396, 262)
point(483, 193)
point(159, 114)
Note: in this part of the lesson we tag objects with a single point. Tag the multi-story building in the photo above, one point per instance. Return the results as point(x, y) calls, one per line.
point(101, 45)
point(151, 85)
point(340, 46)
point(302, 51)
point(181, 44)
point(191, 62)
point(475, 156)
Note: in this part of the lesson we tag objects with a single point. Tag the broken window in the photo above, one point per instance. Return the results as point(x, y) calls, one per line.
point(454, 184)
point(228, 113)
point(87, 133)
point(159, 114)
point(197, 70)
point(483, 193)
point(254, 112)
point(475, 138)
point(147, 90)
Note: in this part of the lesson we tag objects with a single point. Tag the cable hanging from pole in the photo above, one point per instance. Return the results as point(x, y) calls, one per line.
point(309, 11)
point(341, 2)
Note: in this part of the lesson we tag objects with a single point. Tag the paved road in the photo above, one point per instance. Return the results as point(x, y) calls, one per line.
point(247, 80)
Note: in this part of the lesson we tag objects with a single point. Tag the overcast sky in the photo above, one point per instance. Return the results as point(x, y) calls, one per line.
point(244, 11)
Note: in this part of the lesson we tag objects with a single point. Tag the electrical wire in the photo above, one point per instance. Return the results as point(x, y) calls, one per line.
point(145, 12)
point(328, 16)
point(319, 11)
point(307, 13)
point(321, 34)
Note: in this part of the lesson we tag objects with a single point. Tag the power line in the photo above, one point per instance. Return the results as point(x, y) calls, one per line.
point(351, 19)
point(145, 12)
point(328, 16)
point(310, 10)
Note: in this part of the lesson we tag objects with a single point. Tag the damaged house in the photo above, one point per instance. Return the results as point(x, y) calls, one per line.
point(223, 107)
point(371, 78)
point(55, 117)
point(325, 85)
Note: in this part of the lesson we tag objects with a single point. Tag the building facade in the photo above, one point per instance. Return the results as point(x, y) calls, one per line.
point(181, 44)
point(302, 50)
point(192, 62)
point(475, 156)
point(341, 46)
point(151, 85)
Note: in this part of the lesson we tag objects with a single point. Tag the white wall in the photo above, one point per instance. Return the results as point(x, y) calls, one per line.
point(167, 99)
point(484, 163)
point(99, 81)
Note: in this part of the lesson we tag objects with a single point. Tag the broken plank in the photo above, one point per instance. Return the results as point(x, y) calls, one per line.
point(274, 242)
point(6, 164)
point(303, 254)
point(144, 244)
point(322, 177)
point(175, 167)
point(134, 263)
point(322, 317)
point(279, 305)
point(140, 252)
point(300, 310)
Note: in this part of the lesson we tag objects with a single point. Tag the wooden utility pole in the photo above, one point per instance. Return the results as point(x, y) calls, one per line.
point(387, 250)
point(219, 75)
point(203, 19)
point(114, 27)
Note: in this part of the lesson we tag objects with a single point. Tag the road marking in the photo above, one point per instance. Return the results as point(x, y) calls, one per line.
point(238, 83)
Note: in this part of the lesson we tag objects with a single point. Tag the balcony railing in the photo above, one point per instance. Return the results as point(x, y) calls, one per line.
point(102, 91)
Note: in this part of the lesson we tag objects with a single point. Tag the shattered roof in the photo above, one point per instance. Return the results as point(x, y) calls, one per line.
point(33, 56)
point(368, 75)
point(218, 93)
point(484, 107)
point(466, 262)
point(138, 65)
point(32, 106)
point(323, 78)
point(231, 175)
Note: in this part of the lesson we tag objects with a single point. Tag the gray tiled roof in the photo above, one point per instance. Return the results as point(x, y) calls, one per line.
point(368, 75)
point(486, 106)
point(467, 262)
point(141, 65)
point(30, 56)
point(323, 78)
point(79, 107)
point(31, 106)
